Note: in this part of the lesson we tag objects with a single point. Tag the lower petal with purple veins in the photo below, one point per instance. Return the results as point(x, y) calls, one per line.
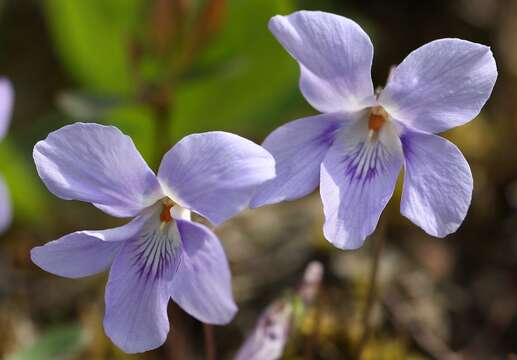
point(137, 293)
point(358, 177)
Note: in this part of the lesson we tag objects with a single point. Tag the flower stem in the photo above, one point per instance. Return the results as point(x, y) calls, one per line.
point(210, 352)
point(371, 296)
point(162, 107)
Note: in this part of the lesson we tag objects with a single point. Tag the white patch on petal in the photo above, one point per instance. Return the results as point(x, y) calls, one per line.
point(368, 151)
point(159, 243)
point(171, 194)
point(178, 212)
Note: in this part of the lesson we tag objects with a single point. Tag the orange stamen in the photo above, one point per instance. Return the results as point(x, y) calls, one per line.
point(165, 215)
point(375, 122)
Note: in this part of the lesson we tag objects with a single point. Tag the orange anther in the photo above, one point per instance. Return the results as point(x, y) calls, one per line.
point(375, 122)
point(165, 215)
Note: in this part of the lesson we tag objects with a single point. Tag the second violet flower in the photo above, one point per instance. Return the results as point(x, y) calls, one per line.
point(160, 254)
point(6, 107)
point(355, 150)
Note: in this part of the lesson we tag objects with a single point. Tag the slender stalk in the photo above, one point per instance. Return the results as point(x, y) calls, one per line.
point(371, 296)
point(210, 351)
point(162, 106)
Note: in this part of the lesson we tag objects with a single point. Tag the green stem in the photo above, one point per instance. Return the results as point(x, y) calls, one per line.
point(371, 297)
point(162, 108)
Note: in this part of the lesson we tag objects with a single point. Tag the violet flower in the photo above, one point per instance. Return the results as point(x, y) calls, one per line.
point(268, 339)
point(6, 107)
point(357, 147)
point(161, 253)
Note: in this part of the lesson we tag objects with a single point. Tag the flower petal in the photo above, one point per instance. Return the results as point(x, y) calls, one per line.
point(5, 207)
point(6, 105)
point(83, 253)
point(271, 333)
point(437, 183)
point(215, 174)
point(137, 294)
point(97, 164)
point(299, 148)
point(441, 85)
point(358, 177)
point(335, 57)
point(203, 285)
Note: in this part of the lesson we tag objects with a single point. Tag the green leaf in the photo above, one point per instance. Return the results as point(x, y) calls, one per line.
point(137, 122)
point(249, 82)
point(132, 119)
point(28, 194)
point(92, 38)
point(59, 341)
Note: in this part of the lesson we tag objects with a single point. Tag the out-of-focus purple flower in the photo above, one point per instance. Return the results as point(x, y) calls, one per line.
point(6, 107)
point(269, 337)
point(357, 147)
point(161, 253)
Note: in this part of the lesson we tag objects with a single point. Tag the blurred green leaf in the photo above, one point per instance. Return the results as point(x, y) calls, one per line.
point(137, 122)
point(132, 119)
point(92, 37)
point(60, 341)
point(28, 194)
point(249, 80)
point(86, 107)
point(243, 82)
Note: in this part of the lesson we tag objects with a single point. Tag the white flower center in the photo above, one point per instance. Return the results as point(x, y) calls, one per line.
point(369, 145)
point(376, 120)
point(160, 239)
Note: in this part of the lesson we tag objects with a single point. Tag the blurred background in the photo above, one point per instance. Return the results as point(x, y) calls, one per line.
point(161, 69)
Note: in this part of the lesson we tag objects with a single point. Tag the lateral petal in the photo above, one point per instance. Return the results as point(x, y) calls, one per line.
point(437, 183)
point(299, 148)
point(203, 285)
point(441, 85)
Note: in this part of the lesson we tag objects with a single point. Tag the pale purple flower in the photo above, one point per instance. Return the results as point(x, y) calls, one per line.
point(6, 107)
point(271, 333)
point(357, 147)
point(268, 339)
point(161, 253)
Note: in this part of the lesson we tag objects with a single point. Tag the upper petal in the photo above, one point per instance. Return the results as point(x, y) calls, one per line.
point(83, 253)
point(437, 184)
point(358, 177)
point(335, 57)
point(97, 164)
point(6, 105)
point(202, 286)
point(298, 148)
point(5, 207)
point(215, 173)
point(441, 85)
